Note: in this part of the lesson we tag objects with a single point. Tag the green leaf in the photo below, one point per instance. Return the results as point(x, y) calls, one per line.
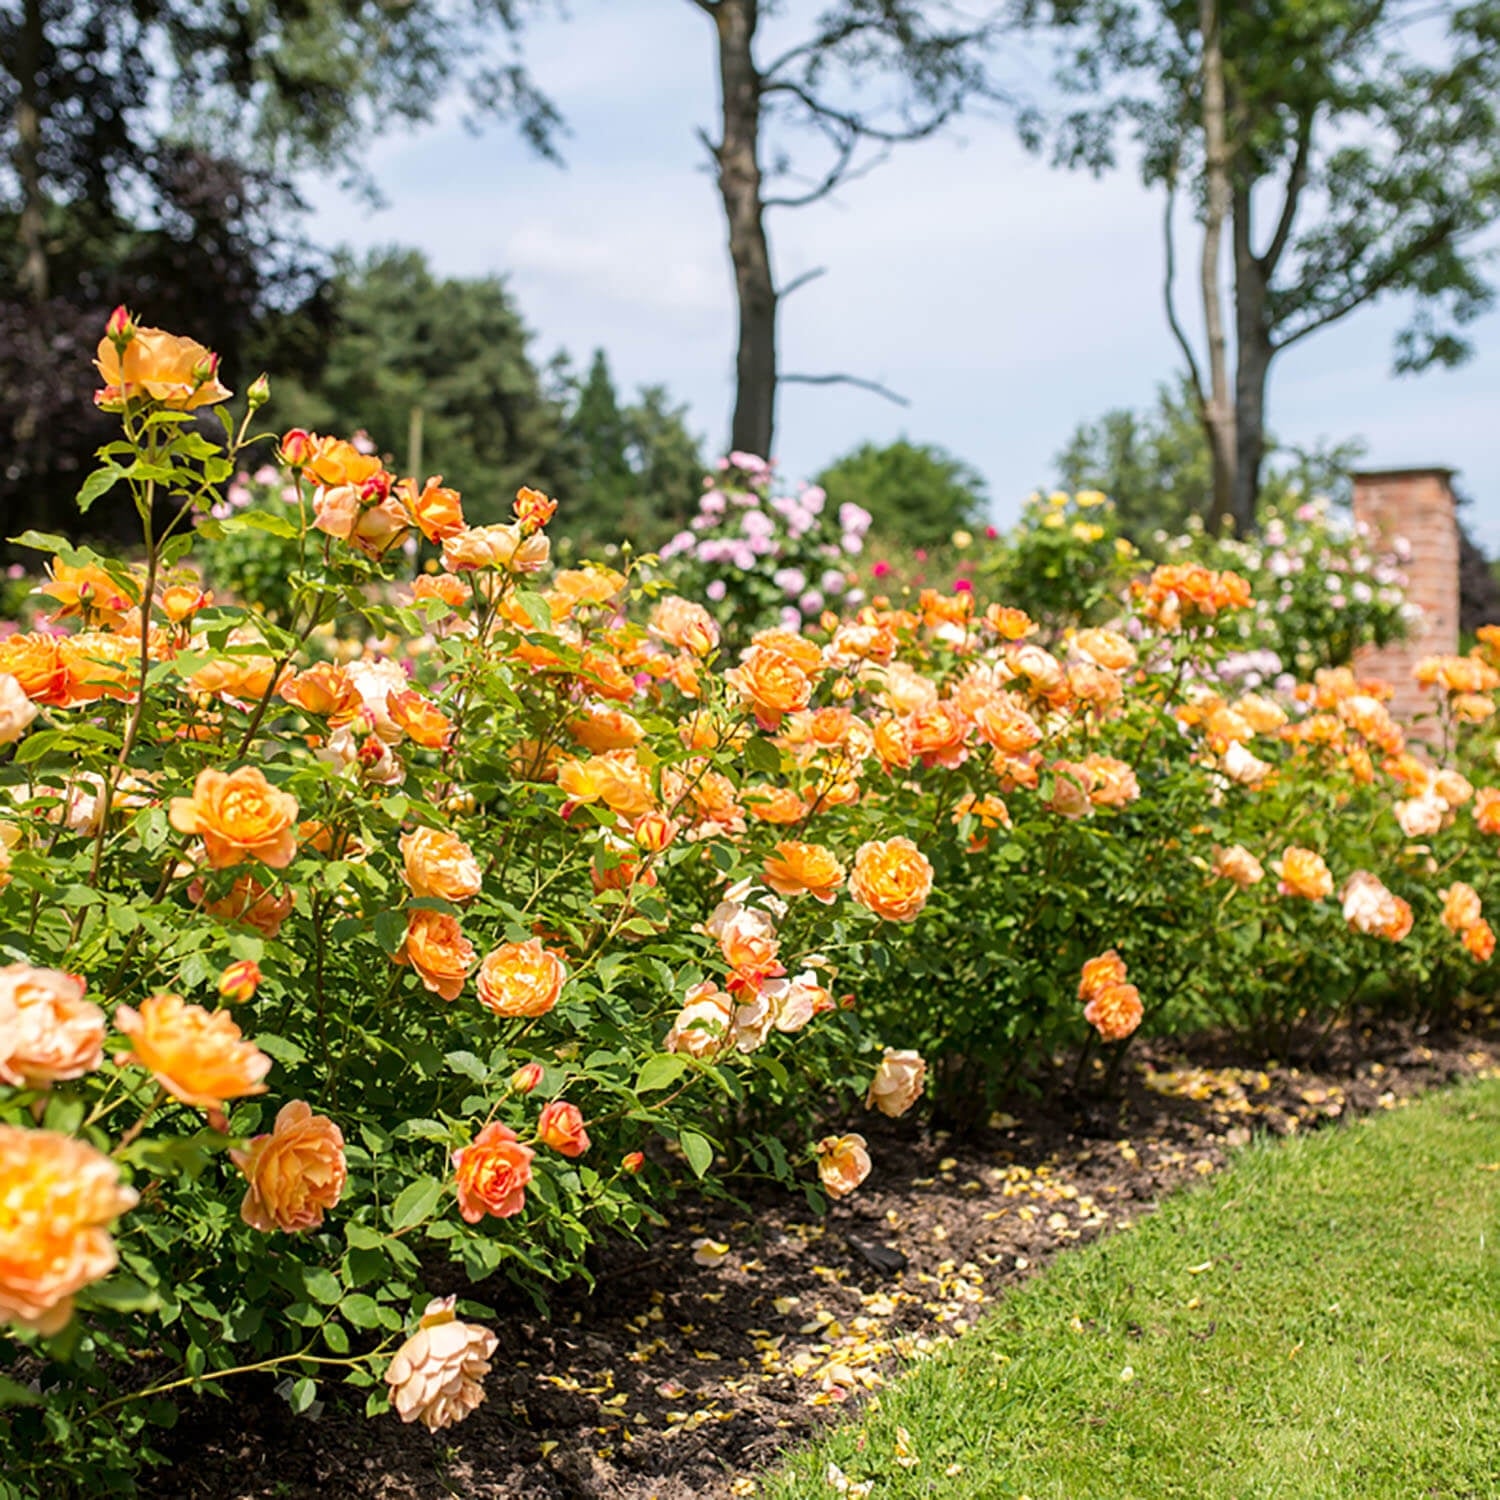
point(416, 1202)
point(13, 1393)
point(361, 1310)
point(304, 1392)
point(390, 930)
point(538, 611)
point(698, 1149)
point(466, 1064)
point(322, 1285)
point(660, 1072)
point(261, 520)
point(282, 1050)
point(100, 482)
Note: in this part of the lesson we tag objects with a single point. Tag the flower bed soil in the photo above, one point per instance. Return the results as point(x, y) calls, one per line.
point(677, 1379)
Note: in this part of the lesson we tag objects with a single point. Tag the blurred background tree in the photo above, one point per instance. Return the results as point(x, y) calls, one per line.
point(916, 493)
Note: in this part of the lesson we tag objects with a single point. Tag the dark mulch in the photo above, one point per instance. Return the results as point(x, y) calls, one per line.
point(676, 1379)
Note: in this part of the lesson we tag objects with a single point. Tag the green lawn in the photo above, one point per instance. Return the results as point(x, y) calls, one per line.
point(1321, 1321)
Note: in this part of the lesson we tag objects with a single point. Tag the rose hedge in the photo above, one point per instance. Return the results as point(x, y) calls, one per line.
point(465, 915)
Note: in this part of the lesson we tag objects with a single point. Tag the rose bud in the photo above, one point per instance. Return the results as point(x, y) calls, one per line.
point(259, 392)
point(120, 328)
point(296, 448)
point(526, 1078)
point(560, 1126)
point(633, 1162)
point(240, 981)
point(654, 832)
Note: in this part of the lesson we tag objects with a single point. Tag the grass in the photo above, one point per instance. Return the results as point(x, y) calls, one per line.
point(1321, 1321)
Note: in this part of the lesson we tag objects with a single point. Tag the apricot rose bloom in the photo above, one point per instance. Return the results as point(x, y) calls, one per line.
point(1480, 941)
point(1301, 872)
point(440, 865)
point(437, 949)
point(521, 979)
point(684, 624)
point(1100, 973)
point(1487, 809)
point(59, 1196)
point(703, 1024)
point(795, 868)
point(436, 1377)
point(200, 1057)
point(897, 1083)
point(891, 878)
point(53, 1033)
point(1238, 864)
point(492, 1173)
point(296, 1172)
point(1373, 910)
point(16, 710)
point(1461, 907)
point(240, 816)
point(560, 1126)
point(771, 684)
point(1114, 1012)
point(843, 1163)
point(178, 372)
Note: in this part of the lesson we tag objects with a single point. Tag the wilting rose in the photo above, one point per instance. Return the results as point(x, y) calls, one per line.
point(843, 1163)
point(795, 868)
point(54, 1034)
point(1114, 1012)
point(703, 1024)
point(436, 1377)
point(440, 865)
point(60, 1195)
point(1461, 907)
point(797, 1000)
point(560, 1126)
point(897, 1083)
point(521, 979)
point(437, 949)
point(492, 1173)
point(178, 372)
point(198, 1056)
point(891, 878)
point(240, 816)
point(1071, 785)
point(1301, 872)
point(753, 1020)
point(16, 710)
point(685, 625)
point(296, 1173)
point(1100, 973)
point(1373, 910)
point(1238, 864)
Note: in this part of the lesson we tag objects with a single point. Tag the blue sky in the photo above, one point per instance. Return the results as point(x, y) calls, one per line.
point(1007, 299)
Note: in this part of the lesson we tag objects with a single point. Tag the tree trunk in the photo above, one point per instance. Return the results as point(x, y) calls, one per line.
point(32, 227)
point(1219, 413)
point(738, 155)
point(1253, 354)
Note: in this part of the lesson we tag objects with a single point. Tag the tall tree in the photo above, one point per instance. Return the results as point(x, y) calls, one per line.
point(867, 75)
point(1348, 151)
point(915, 492)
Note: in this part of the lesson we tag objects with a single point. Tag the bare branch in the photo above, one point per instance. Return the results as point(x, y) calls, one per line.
point(708, 144)
point(798, 282)
point(833, 36)
point(1295, 182)
point(840, 379)
point(857, 125)
point(838, 175)
point(1172, 319)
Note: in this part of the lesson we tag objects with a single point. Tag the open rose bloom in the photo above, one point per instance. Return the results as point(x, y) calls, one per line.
point(417, 903)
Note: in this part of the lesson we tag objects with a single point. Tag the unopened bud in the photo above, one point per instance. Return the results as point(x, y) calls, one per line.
point(296, 448)
point(120, 328)
point(633, 1163)
point(240, 981)
point(205, 370)
point(654, 831)
point(259, 392)
point(525, 1079)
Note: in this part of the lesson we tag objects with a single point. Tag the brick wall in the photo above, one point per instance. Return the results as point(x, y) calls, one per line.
point(1416, 504)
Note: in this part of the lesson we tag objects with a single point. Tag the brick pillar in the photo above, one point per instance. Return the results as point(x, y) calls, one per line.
point(1416, 504)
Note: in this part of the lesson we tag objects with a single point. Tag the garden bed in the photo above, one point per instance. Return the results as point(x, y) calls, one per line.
point(678, 1379)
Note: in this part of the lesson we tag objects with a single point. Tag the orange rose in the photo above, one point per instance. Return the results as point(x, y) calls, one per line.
point(771, 683)
point(60, 1197)
point(250, 902)
point(334, 462)
point(685, 625)
point(181, 601)
point(1301, 872)
point(1105, 648)
point(440, 865)
point(1238, 864)
point(492, 1173)
point(437, 1376)
point(746, 937)
point(99, 665)
point(437, 511)
point(774, 804)
point(1115, 1012)
point(1100, 974)
point(703, 1024)
point(560, 1126)
point(35, 661)
point(296, 1173)
point(437, 949)
point(1114, 783)
point(1461, 907)
point(178, 372)
point(241, 816)
point(1371, 909)
point(897, 1083)
point(1009, 624)
point(843, 1163)
point(53, 1034)
point(532, 508)
point(936, 735)
point(16, 710)
point(483, 547)
point(892, 878)
point(795, 868)
point(602, 729)
point(1004, 723)
point(326, 691)
point(521, 979)
point(424, 722)
point(1480, 941)
point(90, 593)
point(452, 591)
point(239, 981)
point(1487, 809)
point(199, 1057)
